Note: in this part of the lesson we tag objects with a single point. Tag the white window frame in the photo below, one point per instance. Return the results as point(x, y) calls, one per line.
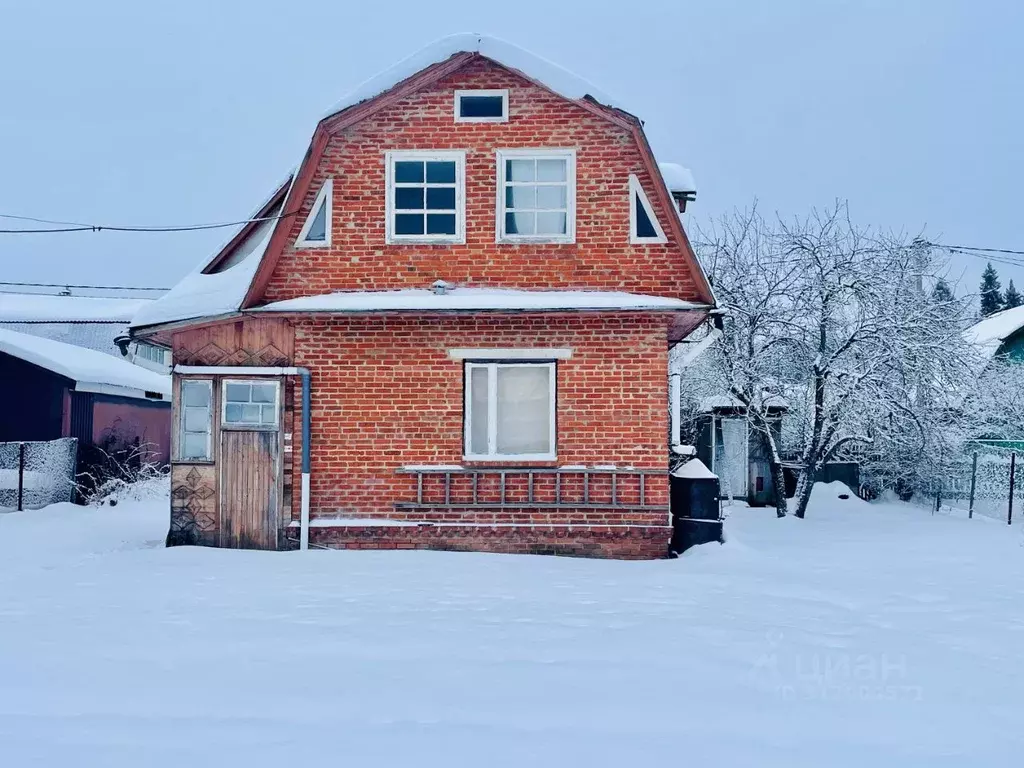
point(492, 411)
point(326, 197)
point(502, 92)
point(637, 191)
point(248, 427)
point(570, 206)
point(390, 158)
point(180, 431)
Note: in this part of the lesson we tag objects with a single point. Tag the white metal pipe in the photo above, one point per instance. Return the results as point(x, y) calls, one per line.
point(304, 514)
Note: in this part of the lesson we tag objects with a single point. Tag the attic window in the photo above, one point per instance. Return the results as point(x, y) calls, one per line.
point(316, 232)
point(481, 106)
point(643, 223)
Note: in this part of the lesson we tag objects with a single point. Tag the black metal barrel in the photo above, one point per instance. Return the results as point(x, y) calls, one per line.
point(696, 512)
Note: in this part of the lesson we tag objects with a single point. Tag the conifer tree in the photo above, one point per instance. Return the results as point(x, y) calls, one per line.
point(991, 298)
point(1012, 298)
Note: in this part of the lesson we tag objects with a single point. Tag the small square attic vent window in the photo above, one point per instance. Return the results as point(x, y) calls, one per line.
point(481, 106)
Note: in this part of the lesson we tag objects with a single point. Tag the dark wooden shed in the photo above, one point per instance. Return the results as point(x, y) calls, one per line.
point(52, 390)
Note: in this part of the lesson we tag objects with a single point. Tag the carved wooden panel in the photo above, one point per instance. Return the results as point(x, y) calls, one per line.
point(245, 342)
point(193, 505)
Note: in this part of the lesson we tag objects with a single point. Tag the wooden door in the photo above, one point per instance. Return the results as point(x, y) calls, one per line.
point(249, 489)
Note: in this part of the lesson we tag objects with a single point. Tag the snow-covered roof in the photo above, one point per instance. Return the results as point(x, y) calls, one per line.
point(715, 402)
point(91, 335)
point(558, 79)
point(209, 295)
point(989, 334)
point(474, 299)
point(695, 470)
point(91, 371)
point(35, 308)
point(677, 178)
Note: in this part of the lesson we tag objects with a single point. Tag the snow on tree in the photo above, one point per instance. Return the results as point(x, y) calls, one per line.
point(991, 298)
point(834, 320)
point(1012, 298)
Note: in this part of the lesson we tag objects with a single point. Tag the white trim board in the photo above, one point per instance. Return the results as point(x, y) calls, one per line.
point(497, 353)
point(235, 370)
point(119, 391)
point(325, 198)
point(637, 192)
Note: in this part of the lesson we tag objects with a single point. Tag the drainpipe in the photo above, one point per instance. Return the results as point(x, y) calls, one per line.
point(306, 421)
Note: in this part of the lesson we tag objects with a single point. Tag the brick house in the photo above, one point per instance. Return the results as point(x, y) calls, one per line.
point(448, 329)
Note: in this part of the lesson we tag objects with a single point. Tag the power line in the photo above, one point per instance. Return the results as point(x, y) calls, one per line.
point(962, 248)
point(89, 287)
point(74, 226)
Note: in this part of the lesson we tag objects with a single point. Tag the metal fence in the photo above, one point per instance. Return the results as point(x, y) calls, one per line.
point(35, 474)
point(987, 482)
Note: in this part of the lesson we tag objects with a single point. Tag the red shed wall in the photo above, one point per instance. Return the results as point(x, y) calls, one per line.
point(601, 258)
point(128, 420)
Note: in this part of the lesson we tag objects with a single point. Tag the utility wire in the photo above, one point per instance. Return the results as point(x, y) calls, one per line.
point(74, 226)
point(90, 287)
point(962, 248)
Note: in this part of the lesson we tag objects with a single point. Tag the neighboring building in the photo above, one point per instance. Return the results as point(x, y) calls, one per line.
point(473, 280)
point(1000, 334)
point(82, 321)
point(51, 389)
point(723, 437)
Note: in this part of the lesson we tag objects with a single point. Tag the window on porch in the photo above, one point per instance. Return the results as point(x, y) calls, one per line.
point(195, 426)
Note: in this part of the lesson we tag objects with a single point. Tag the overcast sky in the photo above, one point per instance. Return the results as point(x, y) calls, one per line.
point(186, 112)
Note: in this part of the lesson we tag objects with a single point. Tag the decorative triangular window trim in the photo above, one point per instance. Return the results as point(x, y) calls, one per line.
point(636, 192)
point(323, 199)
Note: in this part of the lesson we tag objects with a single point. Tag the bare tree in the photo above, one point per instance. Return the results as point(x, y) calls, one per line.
point(835, 321)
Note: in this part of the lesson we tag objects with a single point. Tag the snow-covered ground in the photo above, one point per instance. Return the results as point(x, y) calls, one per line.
point(867, 635)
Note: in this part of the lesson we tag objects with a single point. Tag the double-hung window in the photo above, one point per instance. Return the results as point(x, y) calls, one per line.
point(510, 411)
point(194, 427)
point(536, 196)
point(426, 197)
point(250, 404)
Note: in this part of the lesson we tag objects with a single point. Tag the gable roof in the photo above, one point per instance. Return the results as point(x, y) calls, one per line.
point(536, 68)
point(218, 285)
point(989, 333)
point(412, 74)
point(91, 371)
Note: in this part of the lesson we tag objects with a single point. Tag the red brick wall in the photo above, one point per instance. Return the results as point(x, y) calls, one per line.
point(601, 257)
point(593, 541)
point(386, 394)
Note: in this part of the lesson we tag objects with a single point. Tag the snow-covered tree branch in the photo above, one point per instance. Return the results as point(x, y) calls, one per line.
point(836, 321)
